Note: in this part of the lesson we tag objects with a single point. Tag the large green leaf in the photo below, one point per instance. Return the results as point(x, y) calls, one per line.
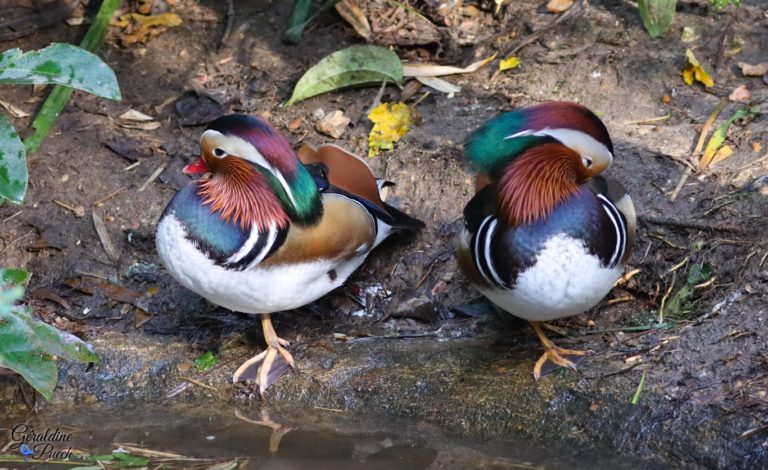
point(21, 352)
point(354, 66)
point(58, 98)
point(13, 163)
point(14, 276)
point(62, 64)
point(657, 15)
point(26, 344)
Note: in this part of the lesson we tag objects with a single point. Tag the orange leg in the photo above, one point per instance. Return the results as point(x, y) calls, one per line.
point(559, 356)
point(265, 367)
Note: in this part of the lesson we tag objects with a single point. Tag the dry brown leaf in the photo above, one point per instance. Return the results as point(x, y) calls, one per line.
point(756, 70)
point(740, 94)
point(433, 70)
point(724, 152)
point(559, 6)
point(350, 11)
point(133, 115)
point(440, 85)
point(14, 110)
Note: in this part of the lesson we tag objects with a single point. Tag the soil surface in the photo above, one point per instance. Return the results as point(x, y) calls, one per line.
point(408, 336)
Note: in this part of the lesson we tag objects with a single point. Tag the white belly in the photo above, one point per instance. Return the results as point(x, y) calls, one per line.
point(259, 290)
point(565, 281)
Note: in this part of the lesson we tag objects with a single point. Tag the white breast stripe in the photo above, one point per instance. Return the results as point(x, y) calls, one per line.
point(287, 188)
point(253, 238)
point(267, 247)
point(487, 253)
point(476, 247)
point(618, 224)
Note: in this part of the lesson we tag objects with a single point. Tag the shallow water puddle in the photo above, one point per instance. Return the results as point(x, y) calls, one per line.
point(216, 436)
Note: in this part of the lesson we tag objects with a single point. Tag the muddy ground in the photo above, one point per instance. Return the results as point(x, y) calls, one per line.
point(450, 361)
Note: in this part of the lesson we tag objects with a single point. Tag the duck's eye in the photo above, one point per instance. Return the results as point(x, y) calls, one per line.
point(587, 162)
point(219, 152)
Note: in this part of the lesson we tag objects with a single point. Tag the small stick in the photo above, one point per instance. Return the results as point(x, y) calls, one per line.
point(108, 197)
point(12, 216)
point(690, 224)
point(649, 121)
point(199, 384)
point(151, 178)
point(666, 296)
point(230, 21)
point(625, 278)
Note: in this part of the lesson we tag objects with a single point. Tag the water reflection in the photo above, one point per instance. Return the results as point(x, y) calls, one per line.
point(222, 437)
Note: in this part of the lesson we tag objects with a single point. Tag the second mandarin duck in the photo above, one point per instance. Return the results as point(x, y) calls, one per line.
point(271, 230)
point(545, 236)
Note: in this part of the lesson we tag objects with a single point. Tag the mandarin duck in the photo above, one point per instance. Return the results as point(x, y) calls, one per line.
point(269, 230)
point(545, 236)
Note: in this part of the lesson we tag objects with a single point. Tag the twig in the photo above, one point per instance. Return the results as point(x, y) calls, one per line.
point(573, 11)
point(152, 178)
point(649, 121)
point(108, 196)
point(12, 216)
point(199, 384)
point(690, 224)
point(230, 21)
point(666, 296)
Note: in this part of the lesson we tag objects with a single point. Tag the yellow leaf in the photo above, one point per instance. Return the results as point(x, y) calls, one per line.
point(724, 152)
point(510, 62)
point(688, 75)
point(390, 123)
point(694, 71)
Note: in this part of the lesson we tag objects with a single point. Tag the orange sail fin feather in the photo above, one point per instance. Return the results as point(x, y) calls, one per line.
point(536, 181)
point(345, 170)
point(242, 195)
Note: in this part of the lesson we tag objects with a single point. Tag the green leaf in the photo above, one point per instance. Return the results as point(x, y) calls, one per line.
point(354, 66)
point(21, 352)
point(298, 19)
point(13, 163)
point(657, 15)
point(636, 397)
point(205, 362)
point(62, 64)
point(681, 301)
point(128, 460)
point(718, 137)
point(58, 98)
point(14, 276)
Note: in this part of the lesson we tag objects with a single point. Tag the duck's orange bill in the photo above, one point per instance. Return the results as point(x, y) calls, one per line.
point(198, 166)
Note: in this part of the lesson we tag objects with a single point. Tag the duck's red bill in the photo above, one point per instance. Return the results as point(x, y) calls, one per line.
point(198, 166)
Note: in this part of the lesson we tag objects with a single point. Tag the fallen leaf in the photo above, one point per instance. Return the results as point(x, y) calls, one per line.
point(432, 70)
point(390, 123)
point(104, 237)
point(740, 94)
point(353, 66)
point(440, 85)
point(296, 123)
point(689, 34)
point(559, 6)
point(196, 108)
point(14, 110)
point(350, 11)
point(718, 137)
point(141, 28)
point(750, 70)
point(133, 115)
point(757, 146)
point(694, 71)
point(509, 63)
point(144, 125)
point(334, 124)
point(113, 291)
point(724, 152)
